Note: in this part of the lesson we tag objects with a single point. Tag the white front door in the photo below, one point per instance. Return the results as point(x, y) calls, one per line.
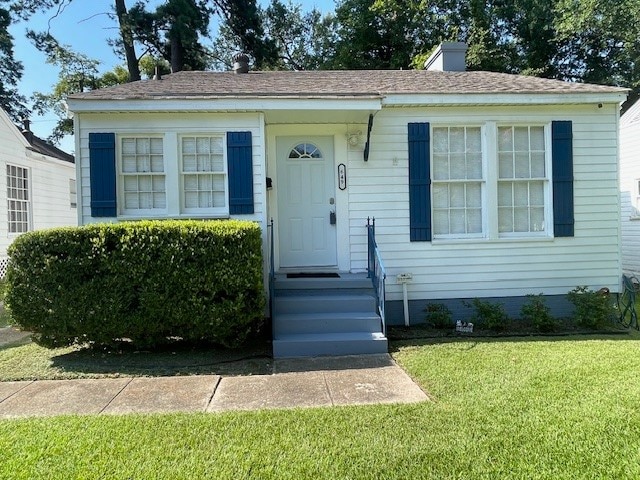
point(306, 198)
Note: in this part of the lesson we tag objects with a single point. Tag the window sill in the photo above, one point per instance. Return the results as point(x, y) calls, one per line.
point(486, 241)
point(198, 216)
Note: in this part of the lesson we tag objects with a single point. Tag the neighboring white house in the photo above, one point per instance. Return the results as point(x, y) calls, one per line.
point(630, 189)
point(37, 185)
point(482, 184)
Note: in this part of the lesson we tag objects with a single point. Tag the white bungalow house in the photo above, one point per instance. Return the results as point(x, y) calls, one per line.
point(37, 185)
point(630, 189)
point(481, 184)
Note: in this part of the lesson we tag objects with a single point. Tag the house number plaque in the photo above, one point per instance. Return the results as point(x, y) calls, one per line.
point(342, 176)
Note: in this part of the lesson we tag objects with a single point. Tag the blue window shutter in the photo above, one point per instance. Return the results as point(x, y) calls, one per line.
point(240, 170)
point(562, 171)
point(102, 174)
point(419, 183)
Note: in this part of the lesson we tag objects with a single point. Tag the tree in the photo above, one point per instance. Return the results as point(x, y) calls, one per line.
point(600, 43)
point(376, 35)
point(10, 73)
point(78, 73)
point(173, 32)
point(127, 39)
point(244, 23)
point(303, 40)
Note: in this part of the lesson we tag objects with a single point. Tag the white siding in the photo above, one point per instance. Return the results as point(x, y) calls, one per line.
point(629, 176)
point(48, 185)
point(484, 267)
point(170, 125)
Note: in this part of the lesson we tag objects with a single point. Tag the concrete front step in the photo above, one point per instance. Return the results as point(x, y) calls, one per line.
point(344, 282)
point(332, 303)
point(293, 323)
point(307, 345)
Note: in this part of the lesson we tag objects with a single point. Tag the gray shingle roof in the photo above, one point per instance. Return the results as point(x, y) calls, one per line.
point(345, 83)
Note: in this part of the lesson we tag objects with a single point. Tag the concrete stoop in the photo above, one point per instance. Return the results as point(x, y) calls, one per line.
point(326, 316)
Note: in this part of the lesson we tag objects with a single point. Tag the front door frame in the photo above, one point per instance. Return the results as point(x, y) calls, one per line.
point(341, 154)
point(308, 201)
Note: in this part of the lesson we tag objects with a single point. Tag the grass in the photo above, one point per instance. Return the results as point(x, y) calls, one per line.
point(5, 316)
point(32, 362)
point(535, 408)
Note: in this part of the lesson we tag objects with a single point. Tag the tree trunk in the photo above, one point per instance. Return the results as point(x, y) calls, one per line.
point(127, 41)
point(177, 52)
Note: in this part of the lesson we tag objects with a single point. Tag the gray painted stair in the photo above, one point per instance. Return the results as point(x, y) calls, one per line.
point(326, 316)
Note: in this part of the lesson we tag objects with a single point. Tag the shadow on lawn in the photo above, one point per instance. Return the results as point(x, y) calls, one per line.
point(252, 359)
point(416, 336)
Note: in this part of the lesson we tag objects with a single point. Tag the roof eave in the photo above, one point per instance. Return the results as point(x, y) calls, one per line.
point(493, 98)
point(225, 104)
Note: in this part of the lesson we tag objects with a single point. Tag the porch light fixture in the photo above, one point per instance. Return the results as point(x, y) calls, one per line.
point(354, 138)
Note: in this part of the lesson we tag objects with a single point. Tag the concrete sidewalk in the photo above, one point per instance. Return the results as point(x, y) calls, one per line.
point(308, 382)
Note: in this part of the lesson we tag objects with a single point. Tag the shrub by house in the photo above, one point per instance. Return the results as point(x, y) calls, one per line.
point(148, 282)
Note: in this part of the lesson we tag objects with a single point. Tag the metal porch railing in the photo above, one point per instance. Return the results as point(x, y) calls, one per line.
point(272, 269)
point(375, 270)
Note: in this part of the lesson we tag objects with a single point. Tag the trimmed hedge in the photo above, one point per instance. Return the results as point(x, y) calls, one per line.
point(147, 282)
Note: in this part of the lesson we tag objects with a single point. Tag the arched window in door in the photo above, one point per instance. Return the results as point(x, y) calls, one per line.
point(305, 150)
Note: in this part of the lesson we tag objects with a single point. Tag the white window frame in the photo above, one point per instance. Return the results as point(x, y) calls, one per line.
point(482, 181)
point(214, 211)
point(490, 179)
point(139, 212)
point(73, 193)
point(547, 181)
point(26, 202)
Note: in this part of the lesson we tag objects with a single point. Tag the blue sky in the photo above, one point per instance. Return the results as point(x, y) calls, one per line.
point(85, 26)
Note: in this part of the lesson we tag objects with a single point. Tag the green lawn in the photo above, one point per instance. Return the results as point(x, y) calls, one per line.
point(5, 317)
point(565, 408)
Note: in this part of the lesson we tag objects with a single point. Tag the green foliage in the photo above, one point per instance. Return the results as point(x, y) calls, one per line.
point(10, 73)
point(148, 282)
point(538, 313)
point(303, 40)
point(592, 309)
point(78, 73)
point(376, 35)
point(489, 315)
point(438, 315)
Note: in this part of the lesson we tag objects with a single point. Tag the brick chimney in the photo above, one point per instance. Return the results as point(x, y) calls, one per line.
point(448, 57)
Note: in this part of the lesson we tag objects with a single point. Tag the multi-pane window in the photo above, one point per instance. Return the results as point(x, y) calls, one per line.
point(73, 195)
point(457, 181)
point(203, 176)
point(142, 173)
point(18, 199)
point(522, 179)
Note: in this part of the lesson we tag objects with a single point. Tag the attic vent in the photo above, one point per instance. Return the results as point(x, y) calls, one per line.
point(241, 63)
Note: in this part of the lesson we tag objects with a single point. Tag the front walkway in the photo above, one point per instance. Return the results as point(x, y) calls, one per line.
point(308, 382)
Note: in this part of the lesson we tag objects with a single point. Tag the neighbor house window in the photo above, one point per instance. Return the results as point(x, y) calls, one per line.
point(73, 196)
point(522, 179)
point(142, 175)
point(457, 181)
point(203, 175)
point(18, 199)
